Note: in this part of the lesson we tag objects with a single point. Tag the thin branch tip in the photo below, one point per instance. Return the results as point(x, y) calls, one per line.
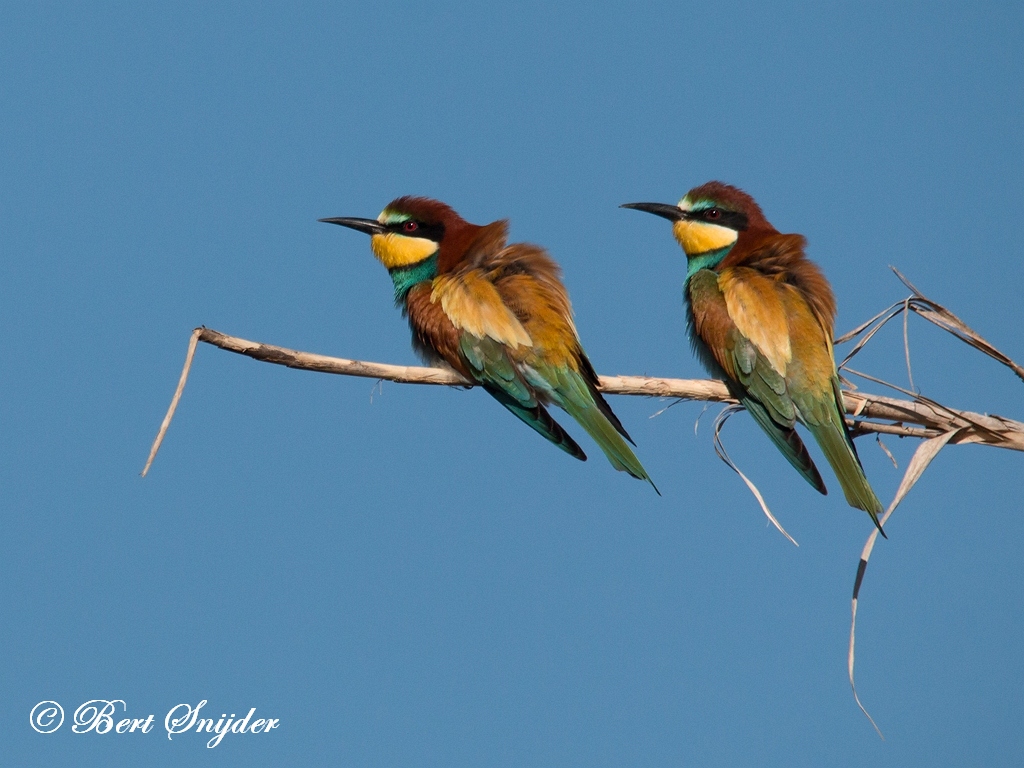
point(166, 423)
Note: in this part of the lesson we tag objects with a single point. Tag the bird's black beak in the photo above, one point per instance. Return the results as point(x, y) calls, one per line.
point(670, 212)
point(369, 226)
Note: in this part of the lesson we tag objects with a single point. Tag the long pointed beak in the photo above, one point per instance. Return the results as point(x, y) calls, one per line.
point(369, 226)
point(670, 212)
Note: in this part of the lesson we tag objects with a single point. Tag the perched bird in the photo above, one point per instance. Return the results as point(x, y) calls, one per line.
point(496, 313)
point(760, 316)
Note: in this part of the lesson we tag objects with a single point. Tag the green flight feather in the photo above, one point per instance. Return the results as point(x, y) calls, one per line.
point(788, 442)
point(763, 392)
point(497, 374)
point(824, 419)
point(518, 390)
point(539, 419)
point(573, 393)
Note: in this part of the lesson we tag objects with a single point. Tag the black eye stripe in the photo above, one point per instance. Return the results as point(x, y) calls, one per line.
point(428, 231)
point(724, 218)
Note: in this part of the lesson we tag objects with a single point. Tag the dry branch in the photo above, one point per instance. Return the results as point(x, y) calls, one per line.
point(917, 416)
point(871, 413)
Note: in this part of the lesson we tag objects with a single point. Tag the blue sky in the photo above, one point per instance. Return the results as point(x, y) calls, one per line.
point(407, 575)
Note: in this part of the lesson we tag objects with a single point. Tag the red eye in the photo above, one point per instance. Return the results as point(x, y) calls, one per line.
point(713, 213)
point(410, 226)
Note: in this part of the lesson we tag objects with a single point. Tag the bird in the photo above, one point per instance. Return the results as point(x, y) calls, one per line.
point(760, 316)
point(499, 315)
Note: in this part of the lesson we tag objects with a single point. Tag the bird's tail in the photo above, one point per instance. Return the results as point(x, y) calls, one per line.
point(837, 445)
point(542, 421)
point(788, 442)
point(588, 407)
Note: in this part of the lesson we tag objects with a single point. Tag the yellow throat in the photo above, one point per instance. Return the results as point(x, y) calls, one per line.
point(698, 237)
point(394, 250)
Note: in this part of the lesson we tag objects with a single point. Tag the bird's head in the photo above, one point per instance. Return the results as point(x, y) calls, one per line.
point(709, 218)
point(408, 231)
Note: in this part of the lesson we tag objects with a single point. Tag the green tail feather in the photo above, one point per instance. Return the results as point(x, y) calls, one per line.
point(609, 440)
point(579, 402)
point(524, 393)
point(838, 448)
point(788, 442)
point(539, 418)
point(589, 376)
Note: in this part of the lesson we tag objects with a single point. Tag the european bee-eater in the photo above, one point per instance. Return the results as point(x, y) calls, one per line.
point(496, 313)
point(760, 316)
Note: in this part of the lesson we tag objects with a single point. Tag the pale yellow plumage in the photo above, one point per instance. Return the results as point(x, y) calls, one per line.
point(755, 306)
point(474, 305)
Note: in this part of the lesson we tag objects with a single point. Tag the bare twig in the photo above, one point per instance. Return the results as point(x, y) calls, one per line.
point(192, 343)
point(979, 428)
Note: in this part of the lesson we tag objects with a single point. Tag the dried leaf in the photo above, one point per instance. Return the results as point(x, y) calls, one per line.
point(658, 413)
point(923, 456)
point(696, 422)
point(886, 451)
point(906, 342)
point(937, 314)
point(378, 386)
point(720, 420)
point(860, 328)
point(890, 313)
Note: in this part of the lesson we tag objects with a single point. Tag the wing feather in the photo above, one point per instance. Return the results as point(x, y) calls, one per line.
point(474, 305)
point(750, 373)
